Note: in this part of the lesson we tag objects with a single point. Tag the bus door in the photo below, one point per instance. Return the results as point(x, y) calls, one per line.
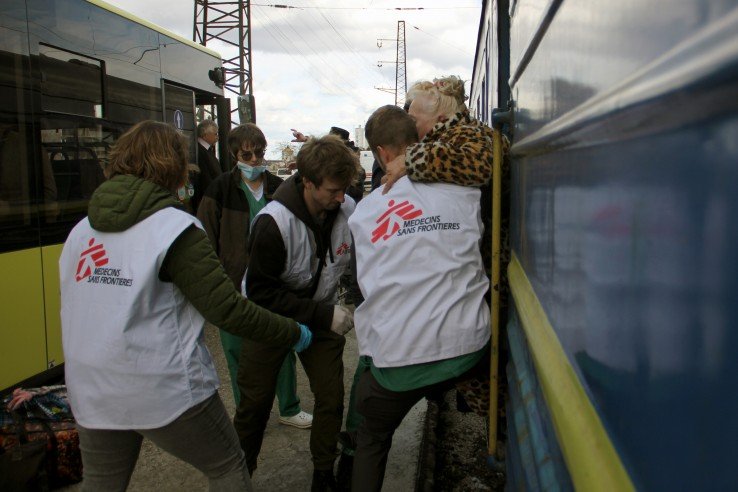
point(218, 109)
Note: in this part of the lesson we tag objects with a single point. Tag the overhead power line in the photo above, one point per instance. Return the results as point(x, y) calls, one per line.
point(441, 40)
point(282, 6)
point(302, 59)
point(330, 45)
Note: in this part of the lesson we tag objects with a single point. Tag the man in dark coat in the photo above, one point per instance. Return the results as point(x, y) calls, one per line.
point(207, 138)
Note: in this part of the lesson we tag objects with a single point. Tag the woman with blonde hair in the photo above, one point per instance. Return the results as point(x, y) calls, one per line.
point(454, 147)
point(138, 280)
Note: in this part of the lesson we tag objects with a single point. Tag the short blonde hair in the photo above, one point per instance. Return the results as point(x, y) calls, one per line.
point(151, 150)
point(446, 95)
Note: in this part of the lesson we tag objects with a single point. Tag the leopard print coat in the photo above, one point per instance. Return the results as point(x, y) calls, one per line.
point(458, 151)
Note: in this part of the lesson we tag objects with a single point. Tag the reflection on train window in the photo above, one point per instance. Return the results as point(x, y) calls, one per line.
point(70, 83)
point(76, 154)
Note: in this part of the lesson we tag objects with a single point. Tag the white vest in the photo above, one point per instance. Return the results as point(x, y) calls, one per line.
point(135, 355)
point(421, 274)
point(299, 241)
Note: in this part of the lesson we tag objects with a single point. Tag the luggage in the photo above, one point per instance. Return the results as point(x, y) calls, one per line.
point(22, 464)
point(39, 443)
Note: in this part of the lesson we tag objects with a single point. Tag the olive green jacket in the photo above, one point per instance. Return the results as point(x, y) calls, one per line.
point(191, 263)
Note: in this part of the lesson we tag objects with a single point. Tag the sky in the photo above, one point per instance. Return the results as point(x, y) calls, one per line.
point(318, 65)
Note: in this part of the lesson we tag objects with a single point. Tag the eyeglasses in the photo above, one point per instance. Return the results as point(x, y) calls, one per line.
point(246, 155)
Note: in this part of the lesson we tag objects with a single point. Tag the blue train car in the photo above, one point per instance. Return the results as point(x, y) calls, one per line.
point(623, 330)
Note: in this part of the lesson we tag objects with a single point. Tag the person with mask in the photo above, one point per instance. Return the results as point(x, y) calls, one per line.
point(226, 212)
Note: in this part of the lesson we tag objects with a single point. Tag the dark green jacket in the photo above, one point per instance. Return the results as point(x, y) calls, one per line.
point(225, 215)
point(190, 264)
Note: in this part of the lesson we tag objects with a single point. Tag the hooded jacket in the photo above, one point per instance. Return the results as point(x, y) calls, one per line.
point(132, 335)
point(277, 278)
point(224, 212)
point(190, 264)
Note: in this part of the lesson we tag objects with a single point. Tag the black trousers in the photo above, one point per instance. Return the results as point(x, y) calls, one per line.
point(257, 379)
point(383, 411)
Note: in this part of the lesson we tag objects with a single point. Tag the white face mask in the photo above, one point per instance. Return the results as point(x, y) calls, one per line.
point(250, 172)
point(185, 191)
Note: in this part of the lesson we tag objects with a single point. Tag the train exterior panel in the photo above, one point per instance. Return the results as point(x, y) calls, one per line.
point(623, 217)
point(74, 75)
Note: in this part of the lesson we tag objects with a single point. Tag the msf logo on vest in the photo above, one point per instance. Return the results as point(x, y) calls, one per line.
point(93, 257)
point(393, 219)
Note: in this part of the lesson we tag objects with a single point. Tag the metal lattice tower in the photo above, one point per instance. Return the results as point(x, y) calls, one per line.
point(400, 89)
point(401, 66)
point(230, 23)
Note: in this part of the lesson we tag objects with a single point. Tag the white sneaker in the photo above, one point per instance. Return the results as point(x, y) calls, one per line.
point(302, 420)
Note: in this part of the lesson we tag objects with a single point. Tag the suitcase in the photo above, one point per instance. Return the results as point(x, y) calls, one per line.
point(43, 421)
point(22, 463)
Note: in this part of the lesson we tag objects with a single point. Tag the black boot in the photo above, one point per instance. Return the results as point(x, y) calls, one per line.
point(323, 481)
point(343, 474)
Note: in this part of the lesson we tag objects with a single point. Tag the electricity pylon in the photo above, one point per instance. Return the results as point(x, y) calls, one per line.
point(400, 65)
point(230, 23)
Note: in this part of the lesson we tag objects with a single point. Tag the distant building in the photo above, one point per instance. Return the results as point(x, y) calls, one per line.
point(360, 138)
point(273, 164)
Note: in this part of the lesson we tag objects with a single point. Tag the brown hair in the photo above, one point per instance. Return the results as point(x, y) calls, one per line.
point(390, 126)
point(151, 150)
point(247, 132)
point(327, 157)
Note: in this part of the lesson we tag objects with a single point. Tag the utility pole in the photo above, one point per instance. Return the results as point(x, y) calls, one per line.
point(400, 65)
point(229, 21)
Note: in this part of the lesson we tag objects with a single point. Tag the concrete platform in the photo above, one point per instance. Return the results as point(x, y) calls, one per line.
point(284, 463)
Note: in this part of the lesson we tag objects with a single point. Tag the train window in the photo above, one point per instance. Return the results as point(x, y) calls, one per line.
point(70, 83)
point(75, 152)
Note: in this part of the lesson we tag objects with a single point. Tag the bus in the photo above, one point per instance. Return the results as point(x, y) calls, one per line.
point(75, 75)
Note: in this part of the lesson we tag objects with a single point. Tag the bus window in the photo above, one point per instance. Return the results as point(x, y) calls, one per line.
point(73, 154)
point(70, 83)
point(17, 213)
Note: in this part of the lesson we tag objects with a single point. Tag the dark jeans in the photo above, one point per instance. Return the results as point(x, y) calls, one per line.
point(257, 379)
point(383, 411)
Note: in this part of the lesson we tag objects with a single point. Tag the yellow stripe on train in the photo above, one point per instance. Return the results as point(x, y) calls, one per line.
point(590, 457)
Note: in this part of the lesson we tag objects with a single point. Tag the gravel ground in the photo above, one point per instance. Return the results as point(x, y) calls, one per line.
point(461, 452)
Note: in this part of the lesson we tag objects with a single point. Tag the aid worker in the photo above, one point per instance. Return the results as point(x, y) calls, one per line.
point(424, 322)
point(300, 248)
point(226, 212)
point(138, 279)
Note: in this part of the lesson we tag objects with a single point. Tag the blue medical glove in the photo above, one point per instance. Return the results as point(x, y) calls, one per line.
point(306, 336)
